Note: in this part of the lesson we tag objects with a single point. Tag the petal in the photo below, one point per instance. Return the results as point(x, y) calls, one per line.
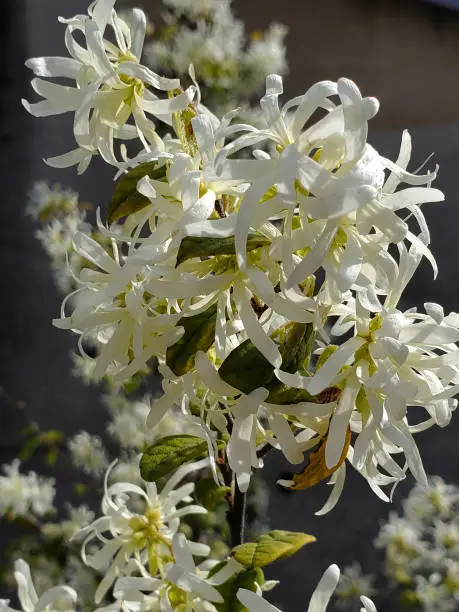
point(267, 347)
point(189, 288)
point(286, 438)
point(26, 591)
point(324, 590)
point(182, 555)
point(325, 375)
point(138, 31)
point(102, 13)
point(368, 605)
point(312, 100)
point(339, 423)
point(72, 158)
point(148, 76)
point(402, 162)
point(54, 594)
point(54, 67)
point(89, 249)
point(313, 260)
point(254, 602)
point(337, 481)
point(96, 49)
point(172, 105)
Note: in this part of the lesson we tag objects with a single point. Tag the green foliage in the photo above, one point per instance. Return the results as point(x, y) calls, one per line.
point(197, 246)
point(48, 440)
point(270, 547)
point(29, 448)
point(283, 394)
point(209, 494)
point(169, 453)
point(126, 199)
point(246, 368)
point(245, 579)
point(199, 336)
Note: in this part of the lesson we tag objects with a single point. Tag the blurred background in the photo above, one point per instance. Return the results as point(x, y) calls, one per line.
point(404, 52)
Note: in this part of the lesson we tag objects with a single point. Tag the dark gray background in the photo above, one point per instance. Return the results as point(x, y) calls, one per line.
point(404, 52)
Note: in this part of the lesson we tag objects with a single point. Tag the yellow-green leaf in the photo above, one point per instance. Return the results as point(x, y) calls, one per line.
point(169, 453)
point(270, 547)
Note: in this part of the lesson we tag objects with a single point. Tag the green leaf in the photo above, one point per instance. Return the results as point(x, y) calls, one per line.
point(296, 345)
point(246, 579)
point(169, 453)
point(29, 448)
point(283, 394)
point(199, 336)
point(197, 246)
point(51, 456)
point(246, 369)
point(270, 547)
point(209, 494)
point(126, 199)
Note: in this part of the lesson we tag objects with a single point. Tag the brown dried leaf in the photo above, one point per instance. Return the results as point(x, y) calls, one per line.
point(317, 469)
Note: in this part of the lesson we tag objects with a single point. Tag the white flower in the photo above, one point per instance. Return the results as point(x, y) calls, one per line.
point(214, 46)
point(128, 421)
point(194, 8)
point(433, 595)
point(437, 500)
point(254, 420)
point(180, 584)
point(144, 537)
point(114, 306)
point(353, 584)
point(394, 361)
point(88, 453)
point(400, 537)
point(49, 200)
point(266, 54)
point(184, 574)
point(446, 537)
point(110, 86)
point(57, 599)
point(24, 493)
point(78, 517)
point(318, 602)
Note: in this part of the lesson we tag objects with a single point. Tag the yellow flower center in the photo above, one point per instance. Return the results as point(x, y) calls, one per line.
point(146, 529)
point(177, 597)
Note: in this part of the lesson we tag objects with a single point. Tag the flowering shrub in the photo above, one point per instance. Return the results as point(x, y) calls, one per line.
point(232, 257)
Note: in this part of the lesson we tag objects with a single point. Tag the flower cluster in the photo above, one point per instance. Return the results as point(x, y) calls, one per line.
point(144, 559)
point(206, 34)
point(422, 547)
point(21, 494)
point(110, 87)
point(317, 238)
point(258, 268)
